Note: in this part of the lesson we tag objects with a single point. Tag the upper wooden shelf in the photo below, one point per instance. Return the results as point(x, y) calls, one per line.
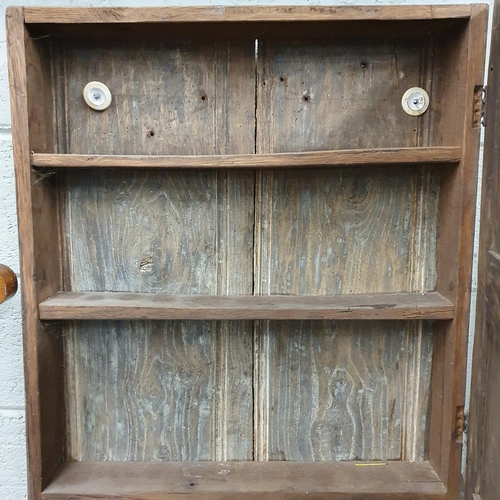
point(127, 305)
point(338, 158)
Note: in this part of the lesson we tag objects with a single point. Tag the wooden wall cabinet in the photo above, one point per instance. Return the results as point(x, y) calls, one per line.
point(249, 277)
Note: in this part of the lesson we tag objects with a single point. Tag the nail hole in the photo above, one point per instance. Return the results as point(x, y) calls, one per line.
point(151, 133)
point(363, 64)
point(203, 97)
point(306, 98)
point(282, 79)
point(192, 484)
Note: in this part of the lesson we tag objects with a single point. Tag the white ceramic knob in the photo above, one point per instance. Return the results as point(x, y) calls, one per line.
point(415, 101)
point(97, 95)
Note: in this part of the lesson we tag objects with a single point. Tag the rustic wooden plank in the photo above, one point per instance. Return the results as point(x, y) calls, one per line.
point(455, 253)
point(188, 233)
point(242, 14)
point(489, 481)
point(345, 87)
point(449, 87)
point(249, 480)
point(403, 156)
point(149, 391)
point(482, 436)
point(332, 93)
point(162, 93)
point(116, 305)
point(8, 283)
point(344, 398)
point(39, 256)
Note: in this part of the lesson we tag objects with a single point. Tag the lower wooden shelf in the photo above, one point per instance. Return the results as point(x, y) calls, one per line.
point(119, 305)
point(248, 480)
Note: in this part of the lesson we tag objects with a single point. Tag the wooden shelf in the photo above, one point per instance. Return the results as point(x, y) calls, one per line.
point(339, 158)
point(118, 305)
point(249, 480)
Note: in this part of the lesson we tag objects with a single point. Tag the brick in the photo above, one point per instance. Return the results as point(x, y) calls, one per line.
point(12, 455)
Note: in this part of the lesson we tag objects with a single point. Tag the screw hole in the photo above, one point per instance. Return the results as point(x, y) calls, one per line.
point(282, 79)
point(151, 133)
point(203, 97)
point(306, 98)
point(363, 64)
point(192, 484)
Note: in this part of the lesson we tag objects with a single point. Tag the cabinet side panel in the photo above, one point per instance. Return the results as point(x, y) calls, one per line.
point(456, 225)
point(350, 231)
point(29, 82)
point(186, 393)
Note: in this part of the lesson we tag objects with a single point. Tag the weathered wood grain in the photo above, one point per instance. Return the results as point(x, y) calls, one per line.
point(149, 232)
point(115, 305)
point(331, 232)
point(333, 95)
point(488, 483)
point(39, 234)
point(247, 480)
point(458, 201)
point(482, 479)
point(245, 14)
point(167, 98)
point(336, 391)
point(181, 232)
point(378, 157)
point(159, 391)
point(326, 231)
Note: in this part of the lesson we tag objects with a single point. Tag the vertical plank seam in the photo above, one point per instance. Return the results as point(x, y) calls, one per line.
point(220, 124)
point(257, 261)
point(217, 325)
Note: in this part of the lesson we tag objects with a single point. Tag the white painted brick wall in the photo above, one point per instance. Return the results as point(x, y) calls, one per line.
point(12, 438)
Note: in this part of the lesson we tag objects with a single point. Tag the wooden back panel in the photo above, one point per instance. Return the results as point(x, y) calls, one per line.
point(193, 232)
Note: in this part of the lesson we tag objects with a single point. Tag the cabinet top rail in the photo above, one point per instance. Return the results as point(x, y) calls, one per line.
point(78, 15)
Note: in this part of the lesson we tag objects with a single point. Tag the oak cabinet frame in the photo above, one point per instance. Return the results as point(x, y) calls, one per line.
point(256, 158)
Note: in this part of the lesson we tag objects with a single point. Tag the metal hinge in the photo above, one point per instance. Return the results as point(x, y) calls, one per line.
point(483, 106)
point(460, 424)
point(479, 110)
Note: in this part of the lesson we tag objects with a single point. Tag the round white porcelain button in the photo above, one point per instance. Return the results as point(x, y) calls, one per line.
point(415, 101)
point(97, 95)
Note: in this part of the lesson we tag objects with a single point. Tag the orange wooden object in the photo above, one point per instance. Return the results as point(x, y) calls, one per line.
point(8, 283)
